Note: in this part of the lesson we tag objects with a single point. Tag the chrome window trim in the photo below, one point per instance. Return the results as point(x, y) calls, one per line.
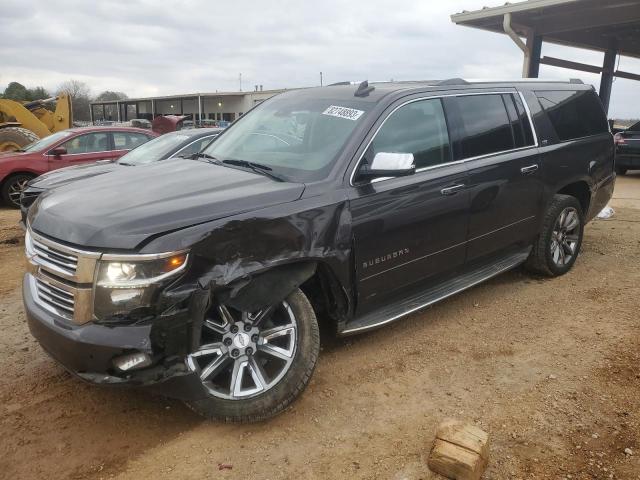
point(455, 162)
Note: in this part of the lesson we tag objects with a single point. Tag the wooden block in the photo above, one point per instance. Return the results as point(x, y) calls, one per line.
point(460, 451)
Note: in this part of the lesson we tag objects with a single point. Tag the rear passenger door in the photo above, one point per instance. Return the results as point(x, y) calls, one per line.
point(495, 139)
point(125, 141)
point(407, 229)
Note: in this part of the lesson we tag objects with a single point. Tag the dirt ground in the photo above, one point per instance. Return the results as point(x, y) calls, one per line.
point(549, 367)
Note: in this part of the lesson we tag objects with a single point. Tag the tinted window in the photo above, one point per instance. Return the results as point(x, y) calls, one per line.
point(91, 142)
point(574, 114)
point(419, 128)
point(128, 140)
point(516, 124)
point(486, 125)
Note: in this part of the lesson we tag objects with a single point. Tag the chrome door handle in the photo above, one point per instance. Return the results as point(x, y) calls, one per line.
point(453, 189)
point(529, 169)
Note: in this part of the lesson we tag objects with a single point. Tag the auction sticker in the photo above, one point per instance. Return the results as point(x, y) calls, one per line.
point(343, 112)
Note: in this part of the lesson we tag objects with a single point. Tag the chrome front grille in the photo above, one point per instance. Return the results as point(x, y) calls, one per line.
point(61, 277)
point(68, 262)
point(55, 298)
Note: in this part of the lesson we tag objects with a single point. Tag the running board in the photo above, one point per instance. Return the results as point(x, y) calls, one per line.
point(418, 301)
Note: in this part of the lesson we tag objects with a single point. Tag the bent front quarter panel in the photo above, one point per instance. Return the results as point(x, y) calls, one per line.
point(229, 252)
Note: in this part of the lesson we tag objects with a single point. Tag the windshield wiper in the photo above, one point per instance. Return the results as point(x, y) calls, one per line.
point(202, 155)
point(256, 167)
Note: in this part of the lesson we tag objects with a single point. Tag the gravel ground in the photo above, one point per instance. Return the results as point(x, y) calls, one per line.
point(549, 367)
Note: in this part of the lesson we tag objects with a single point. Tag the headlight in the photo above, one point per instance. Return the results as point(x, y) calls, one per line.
point(126, 285)
point(121, 273)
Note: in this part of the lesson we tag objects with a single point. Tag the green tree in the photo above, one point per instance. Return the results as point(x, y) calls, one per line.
point(15, 91)
point(37, 93)
point(108, 95)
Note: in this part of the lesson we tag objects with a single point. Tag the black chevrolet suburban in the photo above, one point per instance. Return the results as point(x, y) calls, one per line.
point(349, 206)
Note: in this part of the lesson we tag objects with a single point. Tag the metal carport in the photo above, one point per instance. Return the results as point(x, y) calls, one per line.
point(611, 26)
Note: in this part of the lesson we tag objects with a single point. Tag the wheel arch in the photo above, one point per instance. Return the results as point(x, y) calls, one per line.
point(315, 278)
point(581, 191)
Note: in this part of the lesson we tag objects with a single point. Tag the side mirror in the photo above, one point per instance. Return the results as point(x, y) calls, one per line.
point(58, 151)
point(389, 165)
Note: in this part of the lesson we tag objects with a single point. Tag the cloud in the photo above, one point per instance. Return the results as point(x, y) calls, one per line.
point(145, 47)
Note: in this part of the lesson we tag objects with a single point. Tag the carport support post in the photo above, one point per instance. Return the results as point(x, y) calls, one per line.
point(199, 109)
point(118, 109)
point(606, 79)
point(91, 113)
point(532, 61)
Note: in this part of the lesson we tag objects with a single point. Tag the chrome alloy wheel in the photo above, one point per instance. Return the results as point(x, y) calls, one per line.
point(16, 188)
point(242, 355)
point(565, 236)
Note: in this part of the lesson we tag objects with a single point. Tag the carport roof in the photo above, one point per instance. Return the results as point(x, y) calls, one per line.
point(591, 24)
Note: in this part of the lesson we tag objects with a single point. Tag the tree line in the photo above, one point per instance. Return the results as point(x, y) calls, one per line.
point(79, 92)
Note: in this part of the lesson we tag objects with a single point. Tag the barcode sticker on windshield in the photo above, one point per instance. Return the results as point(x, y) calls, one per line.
point(343, 112)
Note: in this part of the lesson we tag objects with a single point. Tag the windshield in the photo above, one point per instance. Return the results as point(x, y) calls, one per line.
point(46, 142)
point(296, 135)
point(154, 150)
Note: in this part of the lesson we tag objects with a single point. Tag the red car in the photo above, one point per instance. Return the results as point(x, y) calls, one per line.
point(62, 149)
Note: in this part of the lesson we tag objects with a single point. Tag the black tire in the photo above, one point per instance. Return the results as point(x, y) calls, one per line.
point(290, 386)
point(541, 259)
point(11, 188)
point(621, 171)
point(14, 138)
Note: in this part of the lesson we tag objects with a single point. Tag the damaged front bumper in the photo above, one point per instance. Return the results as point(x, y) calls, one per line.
point(88, 351)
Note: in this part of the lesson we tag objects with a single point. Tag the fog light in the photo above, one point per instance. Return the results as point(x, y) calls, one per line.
point(132, 361)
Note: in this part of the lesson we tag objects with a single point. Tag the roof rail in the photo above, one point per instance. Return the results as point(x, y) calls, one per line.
point(338, 84)
point(576, 80)
point(453, 81)
point(364, 89)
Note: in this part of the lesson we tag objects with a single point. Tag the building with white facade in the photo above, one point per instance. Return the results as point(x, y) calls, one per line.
point(213, 106)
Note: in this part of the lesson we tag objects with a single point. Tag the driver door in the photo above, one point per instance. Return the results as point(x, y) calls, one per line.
point(413, 228)
point(86, 148)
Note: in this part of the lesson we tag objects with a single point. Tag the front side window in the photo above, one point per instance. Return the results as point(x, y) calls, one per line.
point(88, 143)
point(574, 114)
point(487, 128)
point(418, 128)
point(298, 135)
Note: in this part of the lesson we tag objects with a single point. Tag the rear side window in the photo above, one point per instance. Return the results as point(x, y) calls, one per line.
point(128, 140)
point(418, 128)
point(574, 114)
point(487, 127)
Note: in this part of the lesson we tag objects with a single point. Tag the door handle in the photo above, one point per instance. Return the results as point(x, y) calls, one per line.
point(453, 189)
point(529, 169)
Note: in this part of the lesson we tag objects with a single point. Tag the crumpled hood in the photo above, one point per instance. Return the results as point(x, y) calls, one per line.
point(62, 176)
point(122, 208)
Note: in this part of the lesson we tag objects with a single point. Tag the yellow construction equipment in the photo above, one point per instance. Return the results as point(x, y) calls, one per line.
point(24, 123)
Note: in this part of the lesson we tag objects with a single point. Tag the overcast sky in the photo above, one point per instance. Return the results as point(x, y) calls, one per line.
point(151, 47)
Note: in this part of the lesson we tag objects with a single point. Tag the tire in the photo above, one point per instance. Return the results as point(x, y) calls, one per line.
point(621, 171)
point(14, 138)
point(546, 260)
point(12, 187)
point(284, 389)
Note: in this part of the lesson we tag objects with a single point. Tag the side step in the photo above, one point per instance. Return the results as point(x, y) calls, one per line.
point(420, 300)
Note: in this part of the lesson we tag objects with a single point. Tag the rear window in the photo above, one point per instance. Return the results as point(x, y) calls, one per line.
point(574, 114)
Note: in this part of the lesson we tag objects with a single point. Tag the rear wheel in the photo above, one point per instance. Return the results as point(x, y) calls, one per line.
point(12, 189)
point(253, 365)
point(15, 138)
point(621, 170)
point(556, 249)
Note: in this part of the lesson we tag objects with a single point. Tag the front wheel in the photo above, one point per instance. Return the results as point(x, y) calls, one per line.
point(558, 245)
point(254, 364)
point(12, 189)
